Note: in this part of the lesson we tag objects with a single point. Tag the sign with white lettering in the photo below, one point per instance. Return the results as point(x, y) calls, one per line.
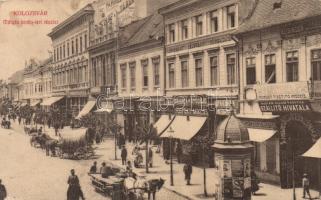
point(283, 91)
point(285, 106)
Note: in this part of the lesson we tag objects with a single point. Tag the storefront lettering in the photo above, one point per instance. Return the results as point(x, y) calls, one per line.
point(283, 91)
point(285, 106)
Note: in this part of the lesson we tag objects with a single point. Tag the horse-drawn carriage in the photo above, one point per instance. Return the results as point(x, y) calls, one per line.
point(122, 186)
point(74, 144)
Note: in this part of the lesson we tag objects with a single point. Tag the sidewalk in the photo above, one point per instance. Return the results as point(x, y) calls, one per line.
point(161, 169)
point(196, 190)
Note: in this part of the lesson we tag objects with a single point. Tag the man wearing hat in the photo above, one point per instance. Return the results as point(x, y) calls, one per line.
point(306, 185)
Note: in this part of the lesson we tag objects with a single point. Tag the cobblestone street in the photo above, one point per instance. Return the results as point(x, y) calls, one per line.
point(29, 174)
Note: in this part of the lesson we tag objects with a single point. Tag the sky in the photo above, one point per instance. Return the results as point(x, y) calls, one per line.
point(21, 42)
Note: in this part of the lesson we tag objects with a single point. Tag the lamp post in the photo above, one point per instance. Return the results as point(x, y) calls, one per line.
point(171, 131)
point(293, 167)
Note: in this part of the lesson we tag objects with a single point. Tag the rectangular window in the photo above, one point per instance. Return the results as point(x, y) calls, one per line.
point(171, 29)
point(123, 76)
point(199, 25)
point(316, 64)
point(76, 45)
point(85, 41)
point(132, 68)
point(171, 75)
point(184, 72)
point(292, 66)
point(145, 73)
point(72, 48)
point(156, 72)
point(64, 48)
point(231, 75)
point(68, 53)
point(60, 56)
point(184, 29)
point(199, 72)
point(231, 17)
point(250, 71)
point(214, 21)
point(80, 44)
point(214, 70)
point(270, 71)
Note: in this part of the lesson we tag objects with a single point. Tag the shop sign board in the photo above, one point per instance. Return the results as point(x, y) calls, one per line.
point(282, 91)
point(285, 106)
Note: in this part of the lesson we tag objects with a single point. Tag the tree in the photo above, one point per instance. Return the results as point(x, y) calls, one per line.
point(147, 134)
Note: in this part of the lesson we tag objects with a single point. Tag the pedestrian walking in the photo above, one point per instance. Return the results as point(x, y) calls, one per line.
point(93, 168)
point(74, 191)
point(124, 155)
point(306, 185)
point(19, 119)
point(179, 152)
point(188, 170)
point(150, 157)
point(3, 191)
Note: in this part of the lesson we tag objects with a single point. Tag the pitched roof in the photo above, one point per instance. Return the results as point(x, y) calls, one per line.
point(264, 16)
point(152, 29)
point(127, 32)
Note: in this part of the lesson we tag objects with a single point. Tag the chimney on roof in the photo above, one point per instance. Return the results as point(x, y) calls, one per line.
point(277, 5)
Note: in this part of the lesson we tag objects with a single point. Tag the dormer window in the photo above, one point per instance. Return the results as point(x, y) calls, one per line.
point(171, 29)
point(199, 25)
point(231, 17)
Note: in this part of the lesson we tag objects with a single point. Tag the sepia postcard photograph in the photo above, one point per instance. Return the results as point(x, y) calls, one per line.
point(160, 99)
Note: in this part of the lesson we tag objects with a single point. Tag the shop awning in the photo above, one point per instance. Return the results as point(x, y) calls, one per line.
point(34, 103)
point(314, 151)
point(184, 128)
point(51, 100)
point(162, 124)
point(87, 108)
point(260, 135)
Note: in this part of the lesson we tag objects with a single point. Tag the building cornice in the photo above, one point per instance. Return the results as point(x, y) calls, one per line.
point(87, 10)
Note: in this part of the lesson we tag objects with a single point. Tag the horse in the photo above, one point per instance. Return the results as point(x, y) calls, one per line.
point(135, 188)
point(50, 146)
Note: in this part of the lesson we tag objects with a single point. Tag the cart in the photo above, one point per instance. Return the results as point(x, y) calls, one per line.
point(73, 144)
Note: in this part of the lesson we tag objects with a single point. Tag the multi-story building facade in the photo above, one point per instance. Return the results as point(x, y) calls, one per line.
point(31, 83)
point(70, 67)
point(201, 65)
point(141, 73)
point(35, 85)
point(110, 28)
point(14, 86)
point(280, 87)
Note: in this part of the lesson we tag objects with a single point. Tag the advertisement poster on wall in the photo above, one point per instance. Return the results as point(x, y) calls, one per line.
point(247, 168)
point(238, 184)
point(247, 182)
point(227, 187)
point(237, 168)
point(226, 169)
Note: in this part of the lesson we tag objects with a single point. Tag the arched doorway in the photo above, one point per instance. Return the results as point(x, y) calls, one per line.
point(297, 134)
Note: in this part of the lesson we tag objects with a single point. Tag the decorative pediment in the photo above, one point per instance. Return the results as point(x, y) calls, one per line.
point(292, 44)
point(270, 48)
point(252, 50)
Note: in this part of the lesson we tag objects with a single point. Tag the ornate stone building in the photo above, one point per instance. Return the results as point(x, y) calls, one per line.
point(280, 51)
point(70, 74)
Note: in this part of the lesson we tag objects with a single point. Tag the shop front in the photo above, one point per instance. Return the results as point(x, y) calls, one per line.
point(287, 129)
